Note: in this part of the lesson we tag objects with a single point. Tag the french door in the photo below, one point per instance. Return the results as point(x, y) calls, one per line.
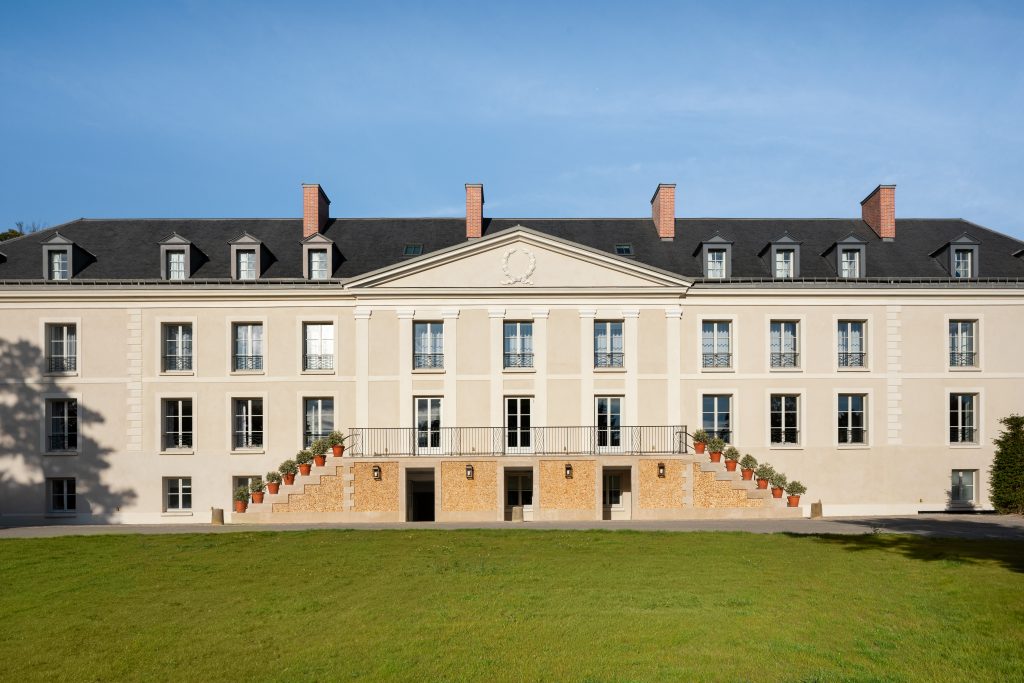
point(517, 424)
point(428, 424)
point(609, 423)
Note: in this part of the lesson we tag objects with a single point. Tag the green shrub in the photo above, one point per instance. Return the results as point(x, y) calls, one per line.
point(716, 445)
point(289, 467)
point(319, 447)
point(731, 453)
point(778, 480)
point(242, 494)
point(273, 477)
point(1006, 474)
point(795, 488)
point(303, 458)
point(748, 462)
point(337, 439)
point(700, 436)
point(764, 471)
point(257, 485)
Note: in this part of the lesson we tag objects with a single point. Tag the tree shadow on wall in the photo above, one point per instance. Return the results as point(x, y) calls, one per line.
point(24, 391)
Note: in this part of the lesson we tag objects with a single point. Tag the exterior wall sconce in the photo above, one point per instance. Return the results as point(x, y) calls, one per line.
point(568, 470)
point(469, 471)
point(376, 472)
point(661, 470)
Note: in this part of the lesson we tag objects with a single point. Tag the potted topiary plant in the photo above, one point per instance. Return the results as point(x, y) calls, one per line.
point(764, 473)
point(304, 459)
point(747, 465)
point(731, 455)
point(700, 441)
point(319, 450)
point(336, 440)
point(716, 445)
point(288, 469)
point(241, 498)
point(795, 489)
point(273, 482)
point(256, 486)
point(778, 482)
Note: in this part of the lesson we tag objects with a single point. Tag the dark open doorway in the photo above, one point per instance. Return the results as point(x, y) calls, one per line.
point(419, 488)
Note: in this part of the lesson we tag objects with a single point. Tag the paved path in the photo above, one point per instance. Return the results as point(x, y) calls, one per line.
point(938, 525)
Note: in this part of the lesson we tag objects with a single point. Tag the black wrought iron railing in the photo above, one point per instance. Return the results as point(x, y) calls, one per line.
point(248, 362)
point(784, 435)
point(177, 363)
point(177, 440)
point(61, 363)
point(608, 360)
point(369, 442)
point(309, 437)
point(518, 360)
point(853, 435)
point(427, 361)
point(785, 359)
point(318, 361)
point(962, 359)
point(716, 360)
point(852, 360)
point(63, 442)
point(248, 440)
point(962, 435)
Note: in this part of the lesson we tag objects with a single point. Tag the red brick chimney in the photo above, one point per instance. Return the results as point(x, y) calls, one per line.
point(878, 210)
point(663, 210)
point(474, 210)
point(315, 209)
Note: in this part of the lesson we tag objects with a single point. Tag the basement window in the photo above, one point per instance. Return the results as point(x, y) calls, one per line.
point(623, 249)
point(412, 250)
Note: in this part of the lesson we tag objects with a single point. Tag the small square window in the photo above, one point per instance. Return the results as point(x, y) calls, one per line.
point(623, 249)
point(412, 250)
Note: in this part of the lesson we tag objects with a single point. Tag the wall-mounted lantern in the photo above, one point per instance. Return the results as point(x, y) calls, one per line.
point(661, 470)
point(469, 471)
point(376, 472)
point(568, 470)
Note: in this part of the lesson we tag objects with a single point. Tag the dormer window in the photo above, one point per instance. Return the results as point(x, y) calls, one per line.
point(412, 250)
point(318, 264)
point(176, 258)
point(624, 250)
point(58, 258)
point(784, 260)
point(716, 263)
point(716, 257)
point(962, 255)
point(175, 264)
point(783, 257)
point(248, 258)
point(58, 267)
point(963, 263)
point(245, 264)
point(849, 254)
point(849, 263)
point(317, 257)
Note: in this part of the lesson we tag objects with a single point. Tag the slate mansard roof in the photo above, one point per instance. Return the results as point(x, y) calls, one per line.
point(129, 249)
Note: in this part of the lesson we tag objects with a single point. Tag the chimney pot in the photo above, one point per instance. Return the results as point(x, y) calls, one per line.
point(663, 210)
point(315, 209)
point(474, 210)
point(878, 210)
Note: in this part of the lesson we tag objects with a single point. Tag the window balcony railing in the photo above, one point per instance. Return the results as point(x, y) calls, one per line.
point(518, 360)
point(63, 442)
point(781, 436)
point(852, 360)
point(248, 440)
point(608, 360)
point(177, 363)
point(61, 363)
point(786, 359)
point(853, 435)
point(716, 360)
point(309, 437)
point(177, 440)
point(248, 362)
point(963, 435)
point(318, 361)
point(428, 361)
point(963, 359)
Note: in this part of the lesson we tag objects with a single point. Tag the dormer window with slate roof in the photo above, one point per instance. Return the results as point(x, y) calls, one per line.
point(317, 257)
point(784, 257)
point(716, 257)
point(246, 257)
point(58, 262)
point(962, 254)
point(850, 257)
point(175, 258)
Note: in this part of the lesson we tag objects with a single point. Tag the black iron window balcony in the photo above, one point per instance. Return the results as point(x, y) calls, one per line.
point(428, 361)
point(248, 440)
point(962, 435)
point(853, 435)
point(63, 442)
point(962, 359)
point(309, 437)
point(177, 363)
point(786, 359)
point(177, 440)
point(852, 360)
point(717, 360)
point(318, 361)
point(248, 362)
point(608, 360)
point(782, 436)
point(62, 363)
point(518, 360)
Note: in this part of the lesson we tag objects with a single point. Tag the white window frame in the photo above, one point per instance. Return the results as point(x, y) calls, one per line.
point(244, 273)
point(434, 441)
point(716, 413)
point(68, 337)
point(50, 418)
point(173, 408)
point(517, 344)
point(318, 345)
point(848, 325)
point(716, 268)
point(850, 412)
point(960, 343)
point(176, 271)
point(849, 268)
point(605, 331)
point(716, 338)
point(243, 415)
point(428, 358)
point(785, 263)
point(180, 347)
point(956, 480)
point(318, 273)
point(798, 363)
point(58, 274)
point(65, 495)
point(518, 432)
point(182, 487)
point(976, 418)
point(798, 411)
point(958, 263)
point(250, 342)
point(610, 431)
point(320, 428)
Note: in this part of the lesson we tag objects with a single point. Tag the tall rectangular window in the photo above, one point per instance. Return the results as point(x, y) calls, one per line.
point(717, 416)
point(61, 347)
point(962, 411)
point(519, 488)
point(963, 263)
point(608, 344)
point(715, 267)
point(785, 419)
point(849, 263)
point(245, 264)
point(518, 345)
point(962, 352)
point(177, 347)
point(177, 423)
point(852, 427)
point(319, 419)
point(609, 421)
point(318, 264)
point(517, 422)
point(61, 494)
point(319, 346)
point(784, 262)
point(850, 337)
point(428, 423)
point(962, 489)
point(428, 346)
point(716, 344)
point(178, 492)
point(785, 351)
point(248, 351)
point(62, 424)
point(57, 265)
point(175, 266)
point(248, 423)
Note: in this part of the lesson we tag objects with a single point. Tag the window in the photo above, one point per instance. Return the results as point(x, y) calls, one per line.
point(609, 427)
point(177, 347)
point(784, 419)
point(717, 414)
point(319, 346)
point(319, 414)
point(428, 423)
point(412, 250)
point(784, 260)
point(851, 419)
point(849, 263)
point(175, 266)
point(248, 423)
point(57, 264)
point(245, 264)
point(962, 489)
point(963, 263)
point(61, 347)
point(318, 264)
point(248, 353)
point(517, 423)
point(962, 352)
point(961, 418)
point(518, 345)
point(623, 249)
point(612, 496)
point(61, 495)
point(851, 344)
point(715, 267)
point(177, 423)
point(716, 347)
point(428, 346)
point(519, 488)
point(784, 344)
point(62, 424)
point(178, 494)
point(607, 344)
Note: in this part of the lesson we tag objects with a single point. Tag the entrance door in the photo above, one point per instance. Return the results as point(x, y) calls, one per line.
point(519, 492)
point(616, 494)
point(609, 426)
point(419, 487)
point(428, 424)
point(517, 424)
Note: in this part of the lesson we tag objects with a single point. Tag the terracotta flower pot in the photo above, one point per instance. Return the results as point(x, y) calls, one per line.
point(776, 492)
point(257, 497)
point(272, 487)
point(730, 465)
point(338, 450)
point(304, 469)
point(239, 506)
point(747, 473)
point(699, 447)
point(762, 483)
point(793, 501)
point(289, 479)
point(319, 460)
point(716, 457)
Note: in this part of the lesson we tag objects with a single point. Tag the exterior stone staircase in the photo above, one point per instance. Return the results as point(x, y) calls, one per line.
point(721, 494)
point(320, 496)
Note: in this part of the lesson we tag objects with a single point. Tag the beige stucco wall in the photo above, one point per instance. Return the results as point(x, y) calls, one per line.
point(478, 494)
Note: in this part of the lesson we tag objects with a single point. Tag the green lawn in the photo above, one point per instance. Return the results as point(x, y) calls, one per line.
point(423, 605)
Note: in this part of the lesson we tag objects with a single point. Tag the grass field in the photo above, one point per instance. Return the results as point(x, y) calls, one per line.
point(423, 605)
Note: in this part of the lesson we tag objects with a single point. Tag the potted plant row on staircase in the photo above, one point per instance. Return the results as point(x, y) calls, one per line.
point(732, 455)
point(273, 482)
point(700, 441)
point(336, 440)
point(747, 465)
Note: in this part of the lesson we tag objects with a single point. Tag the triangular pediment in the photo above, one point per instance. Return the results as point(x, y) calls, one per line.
point(175, 239)
point(245, 238)
point(57, 238)
point(318, 238)
point(518, 258)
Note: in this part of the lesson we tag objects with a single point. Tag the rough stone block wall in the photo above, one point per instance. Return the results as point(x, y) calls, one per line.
point(559, 493)
point(658, 493)
point(709, 492)
point(327, 496)
point(369, 495)
point(459, 494)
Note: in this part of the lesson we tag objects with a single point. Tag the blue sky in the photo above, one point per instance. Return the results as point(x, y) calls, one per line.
point(567, 109)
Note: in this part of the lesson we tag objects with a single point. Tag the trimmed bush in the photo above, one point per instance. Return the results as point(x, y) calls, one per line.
point(289, 467)
point(777, 480)
point(304, 458)
point(273, 477)
point(715, 445)
point(748, 462)
point(764, 471)
point(242, 494)
point(731, 453)
point(257, 485)
point(319, 447)
point(700, 436)
point(795, 488)
point(1006, 475)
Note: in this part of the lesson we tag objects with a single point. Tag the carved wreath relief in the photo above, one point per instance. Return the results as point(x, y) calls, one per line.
point(518, 265)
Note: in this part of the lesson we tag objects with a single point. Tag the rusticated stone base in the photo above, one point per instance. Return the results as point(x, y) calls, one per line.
point(709, 492)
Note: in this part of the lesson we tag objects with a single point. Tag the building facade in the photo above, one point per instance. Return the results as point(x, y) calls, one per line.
point(485, 368)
